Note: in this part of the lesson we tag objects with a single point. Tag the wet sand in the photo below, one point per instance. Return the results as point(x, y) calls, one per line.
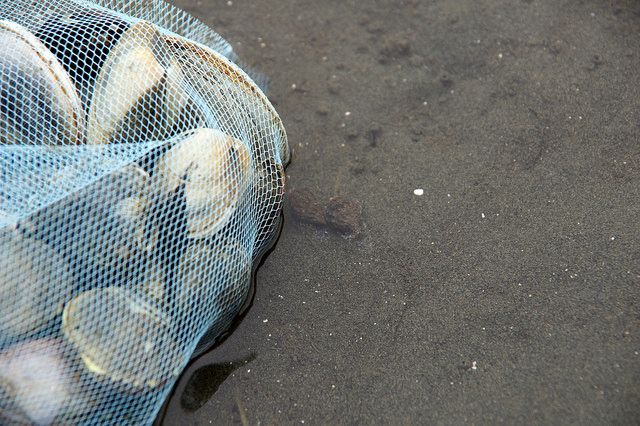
point(509, 291)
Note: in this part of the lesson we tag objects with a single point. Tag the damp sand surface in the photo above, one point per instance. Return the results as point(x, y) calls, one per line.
point(494, 148)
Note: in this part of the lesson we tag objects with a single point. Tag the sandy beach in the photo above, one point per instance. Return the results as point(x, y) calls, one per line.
point(494, 147)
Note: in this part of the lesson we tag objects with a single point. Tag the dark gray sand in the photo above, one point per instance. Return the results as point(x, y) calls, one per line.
point(509, 291)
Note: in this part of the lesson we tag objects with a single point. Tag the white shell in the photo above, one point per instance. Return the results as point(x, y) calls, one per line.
point(34, 284)
point(122, 338)
point(38, 385)
point(43, 106)
point(126, 93)
point(215, 170)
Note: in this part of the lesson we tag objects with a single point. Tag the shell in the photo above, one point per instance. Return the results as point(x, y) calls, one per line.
point(213, 283)
point(34, 285)
point(115, 234)
point(81, 38)
point(123, 339)
point(154, 281)
point(37, 385)
point(270, 186)
point(112, 236)
point(218, 80)
point(39, 101)
point(204, 268)
point(215, 169)
point(176, 98)
point(126, 105)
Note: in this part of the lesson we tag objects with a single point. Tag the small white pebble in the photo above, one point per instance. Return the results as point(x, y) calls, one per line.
point(418, 191)
point(348, 113)
point(229, 3)
point(482, 215)
point(474, 365)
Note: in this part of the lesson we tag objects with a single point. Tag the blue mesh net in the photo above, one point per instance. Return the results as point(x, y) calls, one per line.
point(141, 177)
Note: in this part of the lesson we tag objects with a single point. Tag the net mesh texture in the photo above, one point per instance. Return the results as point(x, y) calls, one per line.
point(141, 177)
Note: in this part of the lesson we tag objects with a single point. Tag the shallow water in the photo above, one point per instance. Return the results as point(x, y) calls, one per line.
point(509, 291)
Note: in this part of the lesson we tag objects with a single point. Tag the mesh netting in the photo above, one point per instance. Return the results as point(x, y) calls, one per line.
point(141, 177)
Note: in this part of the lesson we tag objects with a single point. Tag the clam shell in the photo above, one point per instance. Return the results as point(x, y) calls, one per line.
point(81, 38)
point(176, 98)
point(34, 285)
point(214, 276)
point(215, 169)
point(108, 219)
point(38, 386)
point(270, 186)
point(213, 283)
point(39, 101)
point(128, 94)
point(218, 80)
point(123, 339)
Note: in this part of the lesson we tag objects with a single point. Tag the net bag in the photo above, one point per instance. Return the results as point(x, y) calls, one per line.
point(141, 177)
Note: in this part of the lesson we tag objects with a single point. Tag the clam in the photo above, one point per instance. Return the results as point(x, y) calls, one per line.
point(112, 234)
point(234, 276)
point(35, 283)
point(214, 276)
point(81, 38)
point(37, 384)
point(270, 186)
point(127, 100)
point(213, 282)
point(245, 108)
point(123, 339)
point(153, 284)
point(39, 101)
point(213, 169)
point(176, 99)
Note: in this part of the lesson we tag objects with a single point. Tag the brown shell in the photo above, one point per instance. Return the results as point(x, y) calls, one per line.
point(213, 277)
point(270, 186)
point(213, 284)
point(216, 76)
